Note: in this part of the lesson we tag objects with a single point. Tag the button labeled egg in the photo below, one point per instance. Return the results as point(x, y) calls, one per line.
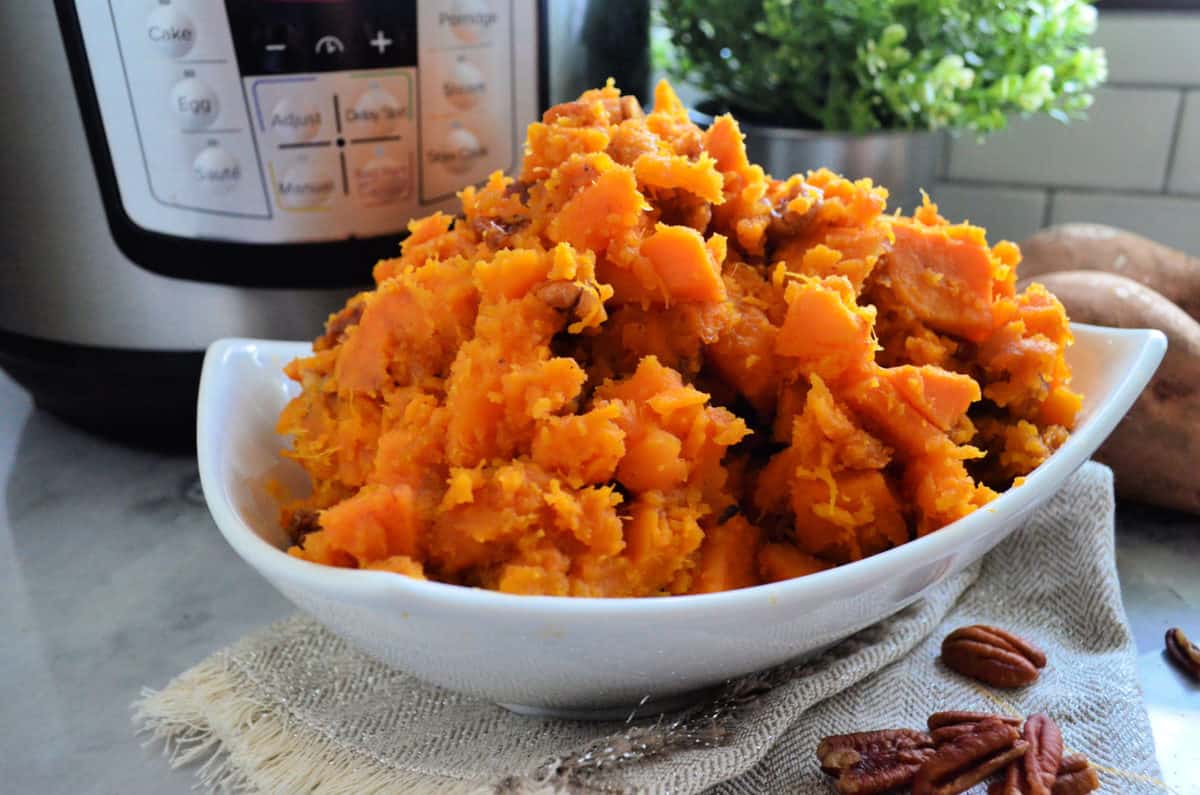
point(194, 103)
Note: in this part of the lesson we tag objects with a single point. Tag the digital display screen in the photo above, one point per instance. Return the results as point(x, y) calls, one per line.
point(299, 36)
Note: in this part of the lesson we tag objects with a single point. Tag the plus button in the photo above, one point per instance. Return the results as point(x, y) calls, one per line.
point(380, 42)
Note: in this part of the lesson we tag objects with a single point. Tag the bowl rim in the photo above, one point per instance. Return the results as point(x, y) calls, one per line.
point(356, 584)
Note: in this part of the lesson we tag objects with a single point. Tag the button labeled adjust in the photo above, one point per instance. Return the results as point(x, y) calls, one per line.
point(171, 31)
point(194, 103)
point(216, 169)
point(295, 119)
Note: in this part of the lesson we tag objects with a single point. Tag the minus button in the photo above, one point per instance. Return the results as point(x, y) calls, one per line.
point(276, 47)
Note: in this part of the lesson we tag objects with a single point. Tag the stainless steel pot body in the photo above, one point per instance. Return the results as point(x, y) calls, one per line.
point(903, 162)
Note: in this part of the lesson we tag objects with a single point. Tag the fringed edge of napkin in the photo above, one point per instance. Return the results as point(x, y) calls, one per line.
point(203, 717)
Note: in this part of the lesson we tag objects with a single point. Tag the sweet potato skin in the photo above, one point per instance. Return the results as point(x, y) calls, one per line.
point(1155, 451)
point(1096, 247)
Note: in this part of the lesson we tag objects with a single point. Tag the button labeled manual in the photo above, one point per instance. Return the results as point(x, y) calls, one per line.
point(304, 185)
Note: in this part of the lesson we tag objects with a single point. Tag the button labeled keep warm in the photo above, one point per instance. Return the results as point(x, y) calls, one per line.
point(381, 180)
point(194, 103)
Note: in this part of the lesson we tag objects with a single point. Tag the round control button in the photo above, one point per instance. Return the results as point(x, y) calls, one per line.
point(216, 169)
point(304, 184)
point(170, 31)
point(374, 113)
point(465, 85)
point(295, 119)
point(461, 150)
point(194, 103)
point(469, 19)
point(379, 181)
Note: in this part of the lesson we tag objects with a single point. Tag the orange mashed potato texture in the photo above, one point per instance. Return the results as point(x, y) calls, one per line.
point(643, 367)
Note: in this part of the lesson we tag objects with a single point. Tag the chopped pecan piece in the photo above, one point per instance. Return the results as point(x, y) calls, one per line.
point(340, 323)
point(866, 763)
point(993, 656)
point(301, 523)
point(520, 189)
point(497, 233)
point(967, 760)
point(581, 300)
point(1183, 652)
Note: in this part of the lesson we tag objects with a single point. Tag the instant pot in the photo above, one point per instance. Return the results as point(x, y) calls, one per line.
point(182, 170)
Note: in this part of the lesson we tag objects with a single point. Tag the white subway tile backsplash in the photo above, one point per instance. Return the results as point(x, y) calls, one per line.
point(1123, 144)
point(1172, 220)
point(1185, 170)
point(1151, 47)
point(1006, 213)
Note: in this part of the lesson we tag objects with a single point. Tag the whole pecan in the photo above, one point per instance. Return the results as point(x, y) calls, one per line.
point(1076, 776)
point(992, 656)
point(1183, 652)
point(1039, 767)
point(866, 763)
point(945, 726)
point(967, 760)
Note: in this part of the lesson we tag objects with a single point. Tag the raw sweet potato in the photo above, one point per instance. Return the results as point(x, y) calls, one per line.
point(1095, 247)
point(1155, 451)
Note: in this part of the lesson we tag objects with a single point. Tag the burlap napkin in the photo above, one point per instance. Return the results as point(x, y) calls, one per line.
point(294, 709)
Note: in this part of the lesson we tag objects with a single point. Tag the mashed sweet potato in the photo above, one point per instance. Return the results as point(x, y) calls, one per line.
point(646, 367)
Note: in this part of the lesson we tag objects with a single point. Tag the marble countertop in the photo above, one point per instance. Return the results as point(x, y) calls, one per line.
point(113, 578)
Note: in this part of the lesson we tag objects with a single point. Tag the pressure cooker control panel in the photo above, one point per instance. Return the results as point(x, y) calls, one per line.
point(276, 121)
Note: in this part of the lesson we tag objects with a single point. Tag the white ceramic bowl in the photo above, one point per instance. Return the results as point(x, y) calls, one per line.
point(565, 655)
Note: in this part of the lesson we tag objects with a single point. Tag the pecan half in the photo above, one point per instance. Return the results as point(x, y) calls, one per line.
point(967, 760)
point(1039, 767)
point(993, 656)
point(1183, 652)
point(866, 763)
point(945, 726)
point(1076, 776)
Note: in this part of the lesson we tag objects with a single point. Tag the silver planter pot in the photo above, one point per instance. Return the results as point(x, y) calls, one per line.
point(903, 162)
